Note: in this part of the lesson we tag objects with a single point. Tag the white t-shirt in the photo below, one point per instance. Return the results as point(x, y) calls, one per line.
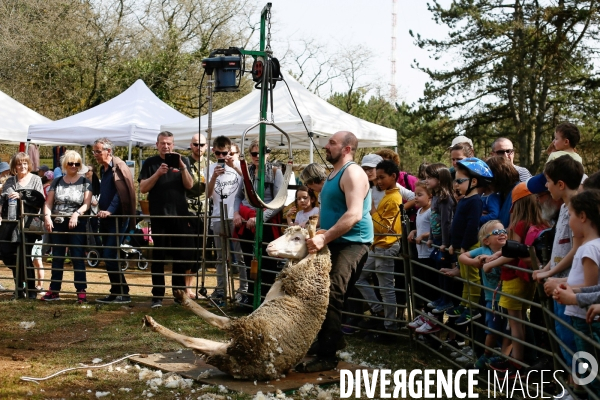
point(563, 241)
point(302, 217)
point(423, 226)
point(589, 250)
point(377, 195)
point(228, 185)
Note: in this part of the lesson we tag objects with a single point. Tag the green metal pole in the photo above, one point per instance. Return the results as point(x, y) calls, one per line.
point(261, 166)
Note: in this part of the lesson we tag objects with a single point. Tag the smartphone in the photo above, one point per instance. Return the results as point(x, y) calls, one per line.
point(221, 162)
point(172, 160)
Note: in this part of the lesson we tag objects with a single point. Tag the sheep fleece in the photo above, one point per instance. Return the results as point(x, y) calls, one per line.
point(276, 336)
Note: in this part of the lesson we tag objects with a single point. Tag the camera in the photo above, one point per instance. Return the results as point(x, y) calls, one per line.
point(514, 249)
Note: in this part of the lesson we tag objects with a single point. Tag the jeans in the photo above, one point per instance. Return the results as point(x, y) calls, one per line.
point(76, 244)
point(347, 261)
point(563, 332)
point(384, 269)
point(118, 283)
point(217, 230)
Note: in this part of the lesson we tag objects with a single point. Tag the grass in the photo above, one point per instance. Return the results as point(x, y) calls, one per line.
point(66, 335)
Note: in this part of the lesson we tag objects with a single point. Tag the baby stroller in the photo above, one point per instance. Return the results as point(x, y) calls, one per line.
point(130, 248)
point(92, 239)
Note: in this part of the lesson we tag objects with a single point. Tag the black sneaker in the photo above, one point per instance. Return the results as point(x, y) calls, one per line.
point(107, 300)
point(466, 317)
point(318, 364)
point(456, 311)
point(156, 303)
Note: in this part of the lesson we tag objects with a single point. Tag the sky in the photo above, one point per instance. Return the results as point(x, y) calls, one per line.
point(347, 23)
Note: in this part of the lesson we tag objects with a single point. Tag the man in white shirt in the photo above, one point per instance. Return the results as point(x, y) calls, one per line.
point(223, 184)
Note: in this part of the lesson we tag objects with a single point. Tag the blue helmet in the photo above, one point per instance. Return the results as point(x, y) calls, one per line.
point(478, 169)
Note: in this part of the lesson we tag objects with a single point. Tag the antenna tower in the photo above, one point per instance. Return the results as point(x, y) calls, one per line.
point(393, 92)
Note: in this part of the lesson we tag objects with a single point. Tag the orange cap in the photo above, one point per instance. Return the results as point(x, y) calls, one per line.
point(518, 193)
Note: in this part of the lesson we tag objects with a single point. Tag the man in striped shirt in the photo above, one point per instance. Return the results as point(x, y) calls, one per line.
point(504, 147)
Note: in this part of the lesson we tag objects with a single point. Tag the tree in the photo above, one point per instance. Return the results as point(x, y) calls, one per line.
point(61, 57)
point(520, 68)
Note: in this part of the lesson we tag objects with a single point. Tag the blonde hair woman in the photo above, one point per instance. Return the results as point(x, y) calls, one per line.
point(68, 198)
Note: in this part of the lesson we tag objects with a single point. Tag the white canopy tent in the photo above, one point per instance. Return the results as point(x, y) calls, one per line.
point(15, 119)
point(321, 118)
point(131, 118)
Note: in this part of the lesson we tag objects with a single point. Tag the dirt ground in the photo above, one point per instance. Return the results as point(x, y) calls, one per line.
point(139, 281)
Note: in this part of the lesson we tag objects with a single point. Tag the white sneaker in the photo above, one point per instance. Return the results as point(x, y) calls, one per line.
point(564, 396)
point(417, 322)
point(461, 352)
point(466, 357)
point(428, 327)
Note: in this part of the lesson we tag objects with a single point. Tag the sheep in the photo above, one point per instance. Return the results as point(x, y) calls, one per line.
point(276, 336)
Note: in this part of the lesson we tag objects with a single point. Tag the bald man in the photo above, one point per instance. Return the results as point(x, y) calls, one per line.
point(504, 147)
point(348, 232)
point(196, 196)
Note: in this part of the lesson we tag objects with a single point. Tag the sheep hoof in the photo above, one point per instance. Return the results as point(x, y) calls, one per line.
point(180, 294)
point(149, 322)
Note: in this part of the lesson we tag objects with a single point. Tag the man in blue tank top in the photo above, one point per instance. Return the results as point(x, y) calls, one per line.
point(345, 217)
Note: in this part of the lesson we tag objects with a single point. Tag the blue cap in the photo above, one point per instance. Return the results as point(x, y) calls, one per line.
point(4, 166)
point(537, 184)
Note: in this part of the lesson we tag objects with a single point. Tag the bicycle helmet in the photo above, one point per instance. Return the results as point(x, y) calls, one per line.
point(477, 169)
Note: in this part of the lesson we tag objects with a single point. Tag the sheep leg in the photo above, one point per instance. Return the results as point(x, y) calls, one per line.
point(212, 319)
point(275, 291)
point(204, 346)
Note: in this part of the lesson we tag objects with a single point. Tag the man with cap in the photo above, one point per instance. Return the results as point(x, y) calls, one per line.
point(504, 147)
point(43, 169)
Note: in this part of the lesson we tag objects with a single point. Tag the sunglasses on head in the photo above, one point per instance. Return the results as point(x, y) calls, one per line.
point(221, 153)
point(199, 144)
point(503, 152)
point(496, 232)
point(460, 181)
point(74, 164)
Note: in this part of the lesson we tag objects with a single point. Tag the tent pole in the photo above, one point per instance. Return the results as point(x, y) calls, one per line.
point(83, 154)
point(130, 146)
point(310, 158)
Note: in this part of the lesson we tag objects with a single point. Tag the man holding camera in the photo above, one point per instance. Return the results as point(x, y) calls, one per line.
point(166, 177)
point(223, 184)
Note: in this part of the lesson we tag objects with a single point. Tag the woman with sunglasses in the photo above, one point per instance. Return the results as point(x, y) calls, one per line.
point(68, 198)
point(15, 190)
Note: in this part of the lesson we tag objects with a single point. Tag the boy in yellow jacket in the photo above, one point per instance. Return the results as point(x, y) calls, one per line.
point(387, 224)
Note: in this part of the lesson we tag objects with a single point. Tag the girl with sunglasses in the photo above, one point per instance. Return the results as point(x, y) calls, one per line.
point(526, 223)
point(69, 197)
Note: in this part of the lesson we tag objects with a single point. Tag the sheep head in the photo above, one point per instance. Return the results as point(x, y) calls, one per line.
point(291, 245)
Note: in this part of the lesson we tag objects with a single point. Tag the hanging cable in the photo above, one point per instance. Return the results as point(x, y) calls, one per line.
point(310, 135)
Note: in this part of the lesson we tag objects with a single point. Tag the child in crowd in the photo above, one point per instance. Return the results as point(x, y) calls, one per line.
point(305, 207)
point(470, 174)
point(439, 181)
point(566, 137)
point(526, 223)
point(368, 164)
point(386, 221)
point(492, 237)
point(584, 220)
point(419, 236)
point(491, 203)
point(563, 177)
